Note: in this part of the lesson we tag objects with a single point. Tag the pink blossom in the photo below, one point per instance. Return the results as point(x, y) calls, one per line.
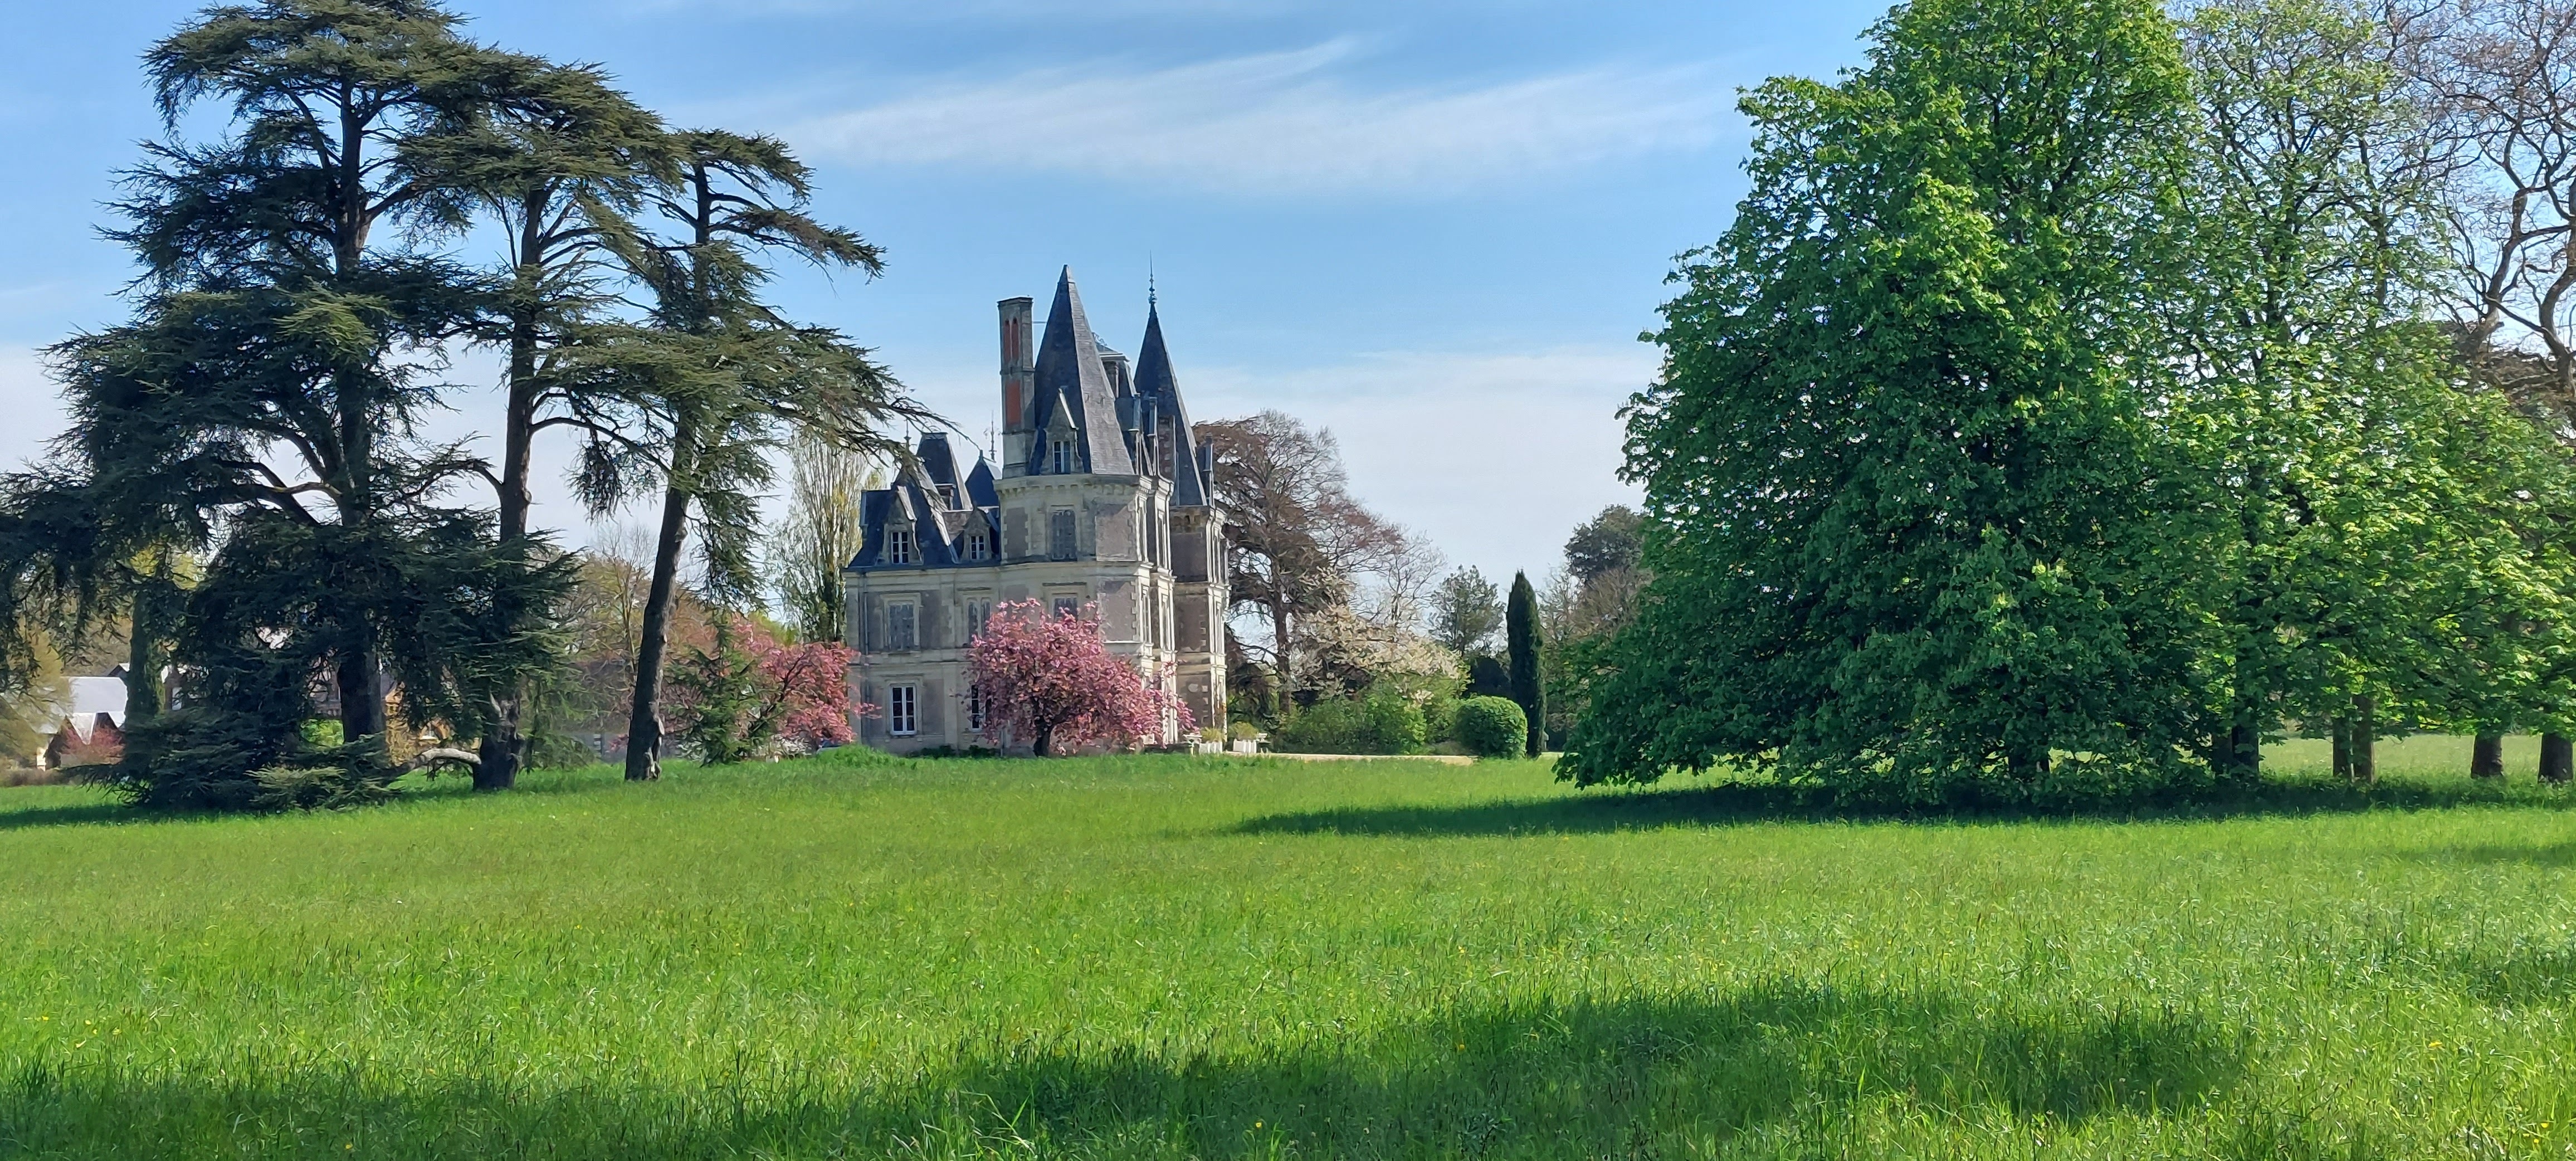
point(1055, 685)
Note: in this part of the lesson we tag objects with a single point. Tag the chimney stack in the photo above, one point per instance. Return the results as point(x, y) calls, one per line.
point(1019, 364)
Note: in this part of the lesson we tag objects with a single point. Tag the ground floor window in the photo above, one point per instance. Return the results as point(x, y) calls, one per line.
point(974, 709)
point(1068, 606)
point(902, 710)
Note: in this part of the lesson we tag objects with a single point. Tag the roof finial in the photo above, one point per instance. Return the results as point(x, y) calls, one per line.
point(1149, 281)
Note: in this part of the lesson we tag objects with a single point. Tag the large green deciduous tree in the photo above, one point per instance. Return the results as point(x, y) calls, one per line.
point(1904, 524)
point(2388, 548)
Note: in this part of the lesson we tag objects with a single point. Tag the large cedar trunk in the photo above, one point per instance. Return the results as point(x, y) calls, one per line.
point(644, 724)
point(362, 697)
point(504, 750)
point(2342, 747)
point(2365, 738)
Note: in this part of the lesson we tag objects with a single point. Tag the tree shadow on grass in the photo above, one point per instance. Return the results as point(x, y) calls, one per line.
point(1788, 1062)
point(1737, 803)
point(85, 814)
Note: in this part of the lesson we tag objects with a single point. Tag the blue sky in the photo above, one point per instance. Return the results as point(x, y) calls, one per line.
point(1435, 228)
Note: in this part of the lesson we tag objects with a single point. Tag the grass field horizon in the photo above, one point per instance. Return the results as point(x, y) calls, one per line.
point(1169, 957)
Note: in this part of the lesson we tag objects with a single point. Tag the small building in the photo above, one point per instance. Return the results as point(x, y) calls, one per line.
point(91, 731)
point(1100, 507)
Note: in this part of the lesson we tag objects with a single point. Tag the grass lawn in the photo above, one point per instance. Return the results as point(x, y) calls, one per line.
point(1216, 958)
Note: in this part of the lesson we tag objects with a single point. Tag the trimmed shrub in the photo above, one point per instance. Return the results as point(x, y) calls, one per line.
point(1492, 727)
point(1382, 722)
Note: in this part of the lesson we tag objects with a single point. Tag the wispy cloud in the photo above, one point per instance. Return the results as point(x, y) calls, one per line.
point(1283, 123)
point(1495, 457)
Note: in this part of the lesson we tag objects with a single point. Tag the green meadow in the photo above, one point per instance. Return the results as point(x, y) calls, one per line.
point(1166, 957)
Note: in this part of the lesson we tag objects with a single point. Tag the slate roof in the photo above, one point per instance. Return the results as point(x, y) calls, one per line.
point(1115, 414)
point(1072, 384)
point(1161, 388)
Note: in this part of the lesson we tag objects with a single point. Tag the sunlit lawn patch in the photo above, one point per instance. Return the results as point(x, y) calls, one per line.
point(1178, 957)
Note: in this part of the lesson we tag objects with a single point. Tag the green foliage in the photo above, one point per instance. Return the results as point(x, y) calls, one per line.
point(1487, 965)
point(1382, 721)
point(1909, 525)
point(1493, 727)
point(1522, 645)
point(719, 699)
point(1466, 612)
point(1611, 541)
point(1486, 677)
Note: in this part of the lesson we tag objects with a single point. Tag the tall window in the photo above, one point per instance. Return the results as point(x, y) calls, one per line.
point(975, 708)
point(978, 615)
point(902, 702)
point(1060, 544)
point(903, 625)
point(1060, 456)
point(979, 544)
point(899, 546)
point(1068, 606)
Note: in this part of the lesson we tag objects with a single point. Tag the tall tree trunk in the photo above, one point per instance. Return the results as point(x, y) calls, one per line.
point(362, 696)
point(2557, 758)
point(361, 668)
point(2486, 757)
point(644, 724)
point(1279, 651)
point(156, 604)
point(2365, 740)
point(504, 749)
point(2342, 730)
point(2244, 750)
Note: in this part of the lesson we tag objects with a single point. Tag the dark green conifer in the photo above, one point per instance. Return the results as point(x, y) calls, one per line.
point(1521, 634)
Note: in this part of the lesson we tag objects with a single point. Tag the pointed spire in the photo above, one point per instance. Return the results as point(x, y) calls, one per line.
point(1071, 381)
point(1160, 387)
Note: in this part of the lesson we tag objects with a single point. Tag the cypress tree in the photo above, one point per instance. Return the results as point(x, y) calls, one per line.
point(1521, 632)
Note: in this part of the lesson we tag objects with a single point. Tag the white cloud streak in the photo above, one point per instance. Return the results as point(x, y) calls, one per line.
point(1282, 123)
point(1495, 457)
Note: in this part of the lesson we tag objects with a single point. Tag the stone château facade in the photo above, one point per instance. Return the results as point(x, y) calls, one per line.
point(1101, 500)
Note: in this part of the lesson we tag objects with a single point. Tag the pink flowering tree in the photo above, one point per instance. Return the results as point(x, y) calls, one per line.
point(1054, 684)
point(753, 693)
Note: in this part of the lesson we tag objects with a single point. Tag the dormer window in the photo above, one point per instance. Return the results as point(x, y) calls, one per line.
point(948, 495)
point(979, 543)
point(1060, 456)
point(899, 546)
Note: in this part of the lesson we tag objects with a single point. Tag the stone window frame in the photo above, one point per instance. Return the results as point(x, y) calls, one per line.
point(903, 632)
point(979, 542)
point(979, 613)
point(1060, 455)
point(1067, 546)
point(903, 709)
point(900, 546)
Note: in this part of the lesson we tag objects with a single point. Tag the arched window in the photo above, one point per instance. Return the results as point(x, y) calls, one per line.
point(979, 544)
